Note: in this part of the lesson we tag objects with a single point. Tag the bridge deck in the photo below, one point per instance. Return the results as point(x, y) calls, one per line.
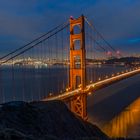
point(94, 86)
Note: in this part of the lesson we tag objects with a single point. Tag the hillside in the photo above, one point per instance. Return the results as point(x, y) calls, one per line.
point(43, 121)
point(126, 60)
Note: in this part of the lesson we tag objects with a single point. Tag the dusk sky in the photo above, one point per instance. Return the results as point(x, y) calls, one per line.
point(22, 21)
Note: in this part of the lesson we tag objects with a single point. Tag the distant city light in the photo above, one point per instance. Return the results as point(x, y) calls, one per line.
point(118, 52)
point(109, 53)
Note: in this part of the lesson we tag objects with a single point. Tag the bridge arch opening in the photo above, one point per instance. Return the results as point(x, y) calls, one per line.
point(78, 81)
point(77, 62)
point(77, 44)
point(76, 29)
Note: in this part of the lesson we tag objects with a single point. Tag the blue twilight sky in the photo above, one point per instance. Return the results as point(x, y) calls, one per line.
point(23, 20)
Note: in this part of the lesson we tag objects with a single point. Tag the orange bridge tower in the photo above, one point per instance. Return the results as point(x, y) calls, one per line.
point(78, 65)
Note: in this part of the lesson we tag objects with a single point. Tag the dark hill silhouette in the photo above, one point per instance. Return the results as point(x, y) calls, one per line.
point(123, 59)
point(43, 121)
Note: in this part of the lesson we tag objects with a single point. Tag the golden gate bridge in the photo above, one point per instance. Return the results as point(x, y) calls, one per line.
point(63, 64)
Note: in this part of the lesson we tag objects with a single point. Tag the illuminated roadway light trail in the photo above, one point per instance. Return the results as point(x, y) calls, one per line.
point(93, 86)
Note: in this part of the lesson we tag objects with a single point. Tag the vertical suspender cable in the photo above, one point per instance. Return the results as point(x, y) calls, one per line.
point(56, 61)
point(67, 47)
point(13, 81)
point(62, 61)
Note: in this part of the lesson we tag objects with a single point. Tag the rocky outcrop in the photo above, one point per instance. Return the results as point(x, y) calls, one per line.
point(43, 121)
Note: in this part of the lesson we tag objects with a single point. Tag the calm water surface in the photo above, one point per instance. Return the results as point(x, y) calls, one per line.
point(29, 83)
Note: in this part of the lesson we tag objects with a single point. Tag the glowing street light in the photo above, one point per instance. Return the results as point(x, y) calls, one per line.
point(89, 93)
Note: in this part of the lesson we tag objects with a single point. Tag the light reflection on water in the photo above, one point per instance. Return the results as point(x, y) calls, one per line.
point(116, 109)
point(125, 124)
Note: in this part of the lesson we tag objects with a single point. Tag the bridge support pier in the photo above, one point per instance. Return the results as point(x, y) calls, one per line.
point(79, 106)
point(78, 66)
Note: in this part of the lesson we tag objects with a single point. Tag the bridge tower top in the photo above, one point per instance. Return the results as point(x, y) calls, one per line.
point(77, 53)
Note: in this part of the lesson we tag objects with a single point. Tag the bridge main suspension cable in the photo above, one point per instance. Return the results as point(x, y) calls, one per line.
point(33, 43)
point(93, 28)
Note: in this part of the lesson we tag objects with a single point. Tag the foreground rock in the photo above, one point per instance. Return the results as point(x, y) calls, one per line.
point(43, 121)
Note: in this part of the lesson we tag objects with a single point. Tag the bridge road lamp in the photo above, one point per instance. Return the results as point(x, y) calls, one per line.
point(78, 104)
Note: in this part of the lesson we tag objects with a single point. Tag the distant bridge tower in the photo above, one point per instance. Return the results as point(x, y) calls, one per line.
point(78, 66)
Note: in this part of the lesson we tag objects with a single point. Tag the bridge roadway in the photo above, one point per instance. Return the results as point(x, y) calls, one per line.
point(95, 86)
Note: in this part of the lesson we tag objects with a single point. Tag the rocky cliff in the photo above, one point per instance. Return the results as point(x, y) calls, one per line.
point(44, 121)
